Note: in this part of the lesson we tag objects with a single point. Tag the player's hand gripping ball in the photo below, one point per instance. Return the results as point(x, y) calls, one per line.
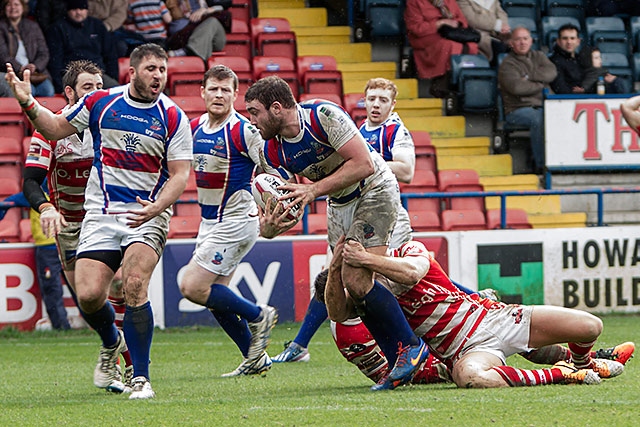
point(265, 186)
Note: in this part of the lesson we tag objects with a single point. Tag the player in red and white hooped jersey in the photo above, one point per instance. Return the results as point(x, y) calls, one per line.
point(226, 150)
point(142, 155)
point(473, 335)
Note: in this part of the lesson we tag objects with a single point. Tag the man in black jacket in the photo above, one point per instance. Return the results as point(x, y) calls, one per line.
point(576, 71)
point(79, 36)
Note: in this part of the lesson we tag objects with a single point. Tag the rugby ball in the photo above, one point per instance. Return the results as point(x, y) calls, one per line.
point(265, 186)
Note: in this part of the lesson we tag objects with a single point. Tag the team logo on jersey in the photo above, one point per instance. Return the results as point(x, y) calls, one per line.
point(217, 258)
point(131, 142)
point(368, 230)
point(63, 147)
point(517, 316)
point(200, 162)
point(219, 147)
point(155, 125)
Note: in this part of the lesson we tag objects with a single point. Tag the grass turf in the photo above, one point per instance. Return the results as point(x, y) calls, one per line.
point(46, 380)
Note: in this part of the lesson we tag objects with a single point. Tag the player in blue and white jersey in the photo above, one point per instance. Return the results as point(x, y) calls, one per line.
point(319, 141)
point(142, 153)
point(226, 150)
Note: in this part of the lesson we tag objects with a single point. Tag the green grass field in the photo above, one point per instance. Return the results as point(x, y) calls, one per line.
point(46, 380)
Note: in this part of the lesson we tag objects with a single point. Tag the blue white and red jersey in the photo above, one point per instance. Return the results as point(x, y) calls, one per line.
point(389, 138)
point(324, 128)
point(132, 144)
point(224, 159)
point(436, 309)
point(67, 162)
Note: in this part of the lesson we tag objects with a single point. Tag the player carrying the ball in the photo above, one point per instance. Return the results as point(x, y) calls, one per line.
point(319, 141)
point(225, 154)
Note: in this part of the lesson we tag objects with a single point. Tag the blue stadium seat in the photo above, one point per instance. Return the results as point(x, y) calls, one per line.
point(573, 8)
point(609, 29)
point(475, 81)
point(522, 8)
point(550, 25)
point(617, 64)
point(634, 24)
point(636, 66)
point(385, 17)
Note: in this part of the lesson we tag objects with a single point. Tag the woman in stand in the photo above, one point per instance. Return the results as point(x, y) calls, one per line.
point(22, 44)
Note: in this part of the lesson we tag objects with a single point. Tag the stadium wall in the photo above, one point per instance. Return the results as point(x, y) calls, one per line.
point(593, 269)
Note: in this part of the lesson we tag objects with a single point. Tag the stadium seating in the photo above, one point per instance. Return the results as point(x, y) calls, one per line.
point(184, 75)
point(461, 180)
point(193, 106)
point(424, 221)
point(475, 81)
point(10, 226)
point(634, 24)
point(239, 40)
point(636, 66)
point(24, 228)
point(422, 142)
point(515, 218)
point(327, 96)
point(385, 17)
point(240, 65)
point(183, 227)
point(424, 181)
point(9, 186)
point(573, 8)
point(277, 65)
point(53, 103)
point(319, 74)
point(241, 10)
point(10, 150)
point(522, 8)
point(617, 64)
point(273, 37)
point(354, 104)
point(316, 223)
point(123, 70)
point(610, 29)
point(529, 24)
point(456, 220)
point(12, 119)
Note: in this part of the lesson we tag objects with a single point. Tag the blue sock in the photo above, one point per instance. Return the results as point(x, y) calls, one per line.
point(235, 327)
point(313, 319)
point(223, 299)
point(385, 317)
point(388, 344)
point(463, 288)
point(102, 322)
point(138, 331)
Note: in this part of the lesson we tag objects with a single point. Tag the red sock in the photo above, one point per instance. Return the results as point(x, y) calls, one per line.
point(432, 371)
point(529, 377)
point(581, 353)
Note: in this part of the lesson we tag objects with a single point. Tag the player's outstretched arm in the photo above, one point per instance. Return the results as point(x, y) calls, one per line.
point(51, 126)
point(631, 113)
point(339, 305)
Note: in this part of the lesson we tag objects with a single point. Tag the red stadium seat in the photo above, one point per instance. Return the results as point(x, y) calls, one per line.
point(26, 143)
point(425, 221)
point(327, 96)
point(184, 75)
point(423, 182)
point(12, 171)
point(422, 142)
point(53, 103)
point(239, 40)
point(123, 70)
point(296, 230)
point(241, 10)
point(183, 227)
point(13, 122)
point(317, 223)
point(427, 158)
point(455, 220)
point(9, 186)
point(354, 104)
point(10, 150)
point(240, 65)
point(280, 66)
point(193, 106)
point(516, 219)
point(319, 74)
point(25, 230)
point(187, 209)
point(461, 180)
point(10, 226)
point(273, 37)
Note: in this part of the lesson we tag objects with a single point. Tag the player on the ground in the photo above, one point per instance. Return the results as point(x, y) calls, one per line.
point(318, 140)
point(226, 151)
point(388, 136)
point(66, 164)
point(142, 154)
point(477, 335)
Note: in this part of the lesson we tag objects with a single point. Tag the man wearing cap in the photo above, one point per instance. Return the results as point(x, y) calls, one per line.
point(80, 36)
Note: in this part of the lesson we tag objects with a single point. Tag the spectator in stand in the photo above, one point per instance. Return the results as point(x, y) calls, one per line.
point(22, 44)
point(80, 36)
point(490, 19)
point(149, 20)
point(577, 72)
point(49, 11)
point(112, 13)
point(424, 20)
point(199, 27)
point(612, 7)
point(522, 76)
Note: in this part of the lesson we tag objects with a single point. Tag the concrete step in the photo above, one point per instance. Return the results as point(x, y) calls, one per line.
point(298, 17)
point(343, 52)
point(547, 204)
point(322, 35)
point(438, 127)
point(365, 70)
point(468, 146)
point(407, 88)
point(418, 107)
point(486, 165)
point(562, 220)
point(522, 182)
